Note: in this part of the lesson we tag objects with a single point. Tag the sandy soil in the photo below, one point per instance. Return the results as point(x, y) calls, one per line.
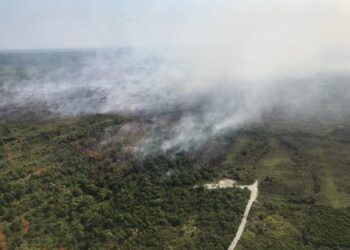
point(253, 195)
point(224, 183)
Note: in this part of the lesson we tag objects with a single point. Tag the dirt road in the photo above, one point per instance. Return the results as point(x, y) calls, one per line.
point(253, 188)
point(253, 195)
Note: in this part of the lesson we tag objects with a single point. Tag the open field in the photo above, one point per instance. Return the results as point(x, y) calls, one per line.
point(304, 200)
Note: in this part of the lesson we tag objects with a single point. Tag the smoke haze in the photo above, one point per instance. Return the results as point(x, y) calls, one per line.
point(220, 66)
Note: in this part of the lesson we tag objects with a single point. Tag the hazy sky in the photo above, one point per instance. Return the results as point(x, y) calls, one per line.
point(39, 24)
point(93, 23)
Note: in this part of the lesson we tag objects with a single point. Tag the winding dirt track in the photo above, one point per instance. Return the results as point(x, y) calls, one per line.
point(253, 188)
point(253, 195)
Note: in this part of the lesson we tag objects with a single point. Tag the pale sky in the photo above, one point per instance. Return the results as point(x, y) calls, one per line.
point(36, 24)
point(321, 25)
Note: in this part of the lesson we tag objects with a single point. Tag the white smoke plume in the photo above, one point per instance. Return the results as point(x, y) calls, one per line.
point(226, 64)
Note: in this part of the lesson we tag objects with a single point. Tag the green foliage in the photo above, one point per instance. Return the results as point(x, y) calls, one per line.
point(329, 227)
point(74, 183)
point(304, 196)
point(62, 185)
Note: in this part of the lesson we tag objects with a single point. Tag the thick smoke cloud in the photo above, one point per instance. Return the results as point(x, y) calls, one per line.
point(236, 65)
point(186, 107)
